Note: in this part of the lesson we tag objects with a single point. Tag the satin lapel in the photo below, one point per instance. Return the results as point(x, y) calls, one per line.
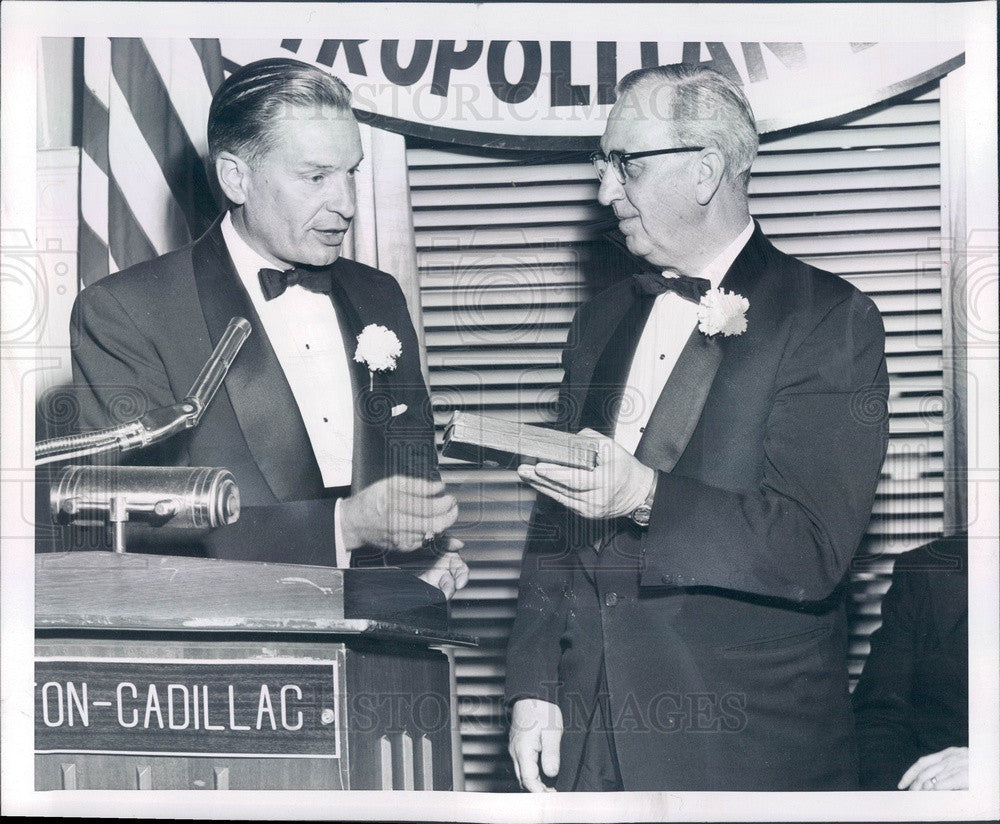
point(591, 347)
point(369, 439)
point(258, 391)
point(679, 407)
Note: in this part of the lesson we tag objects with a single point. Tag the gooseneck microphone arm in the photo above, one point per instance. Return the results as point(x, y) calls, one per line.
point(157, 424)
point(214, 371)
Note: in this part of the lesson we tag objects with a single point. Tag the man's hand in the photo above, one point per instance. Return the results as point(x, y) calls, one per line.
point(536, 729)
point(449, 572)
point(944, 770)
point(617, 485)
point(397, 514)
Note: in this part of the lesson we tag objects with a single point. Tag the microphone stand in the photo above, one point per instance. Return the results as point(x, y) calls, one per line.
point(158, 424)
point(193, 497)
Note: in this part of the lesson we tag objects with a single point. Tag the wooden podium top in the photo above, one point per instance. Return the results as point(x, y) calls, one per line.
point(104, 591)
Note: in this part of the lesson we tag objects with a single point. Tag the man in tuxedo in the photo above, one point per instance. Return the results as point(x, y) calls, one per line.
point(333, 463)
point(680, 623)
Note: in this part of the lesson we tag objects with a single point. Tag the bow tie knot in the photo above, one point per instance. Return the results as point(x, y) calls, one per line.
point(274, 282)
point(689, 288)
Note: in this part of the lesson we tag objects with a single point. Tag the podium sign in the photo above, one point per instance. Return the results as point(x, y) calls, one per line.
point(160, 672)
point(150, 707)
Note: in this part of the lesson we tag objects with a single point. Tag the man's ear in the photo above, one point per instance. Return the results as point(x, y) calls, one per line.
point(711, 170)
point(233, 174)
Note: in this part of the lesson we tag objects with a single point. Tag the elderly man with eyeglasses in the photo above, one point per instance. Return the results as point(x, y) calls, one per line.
point(681, 622)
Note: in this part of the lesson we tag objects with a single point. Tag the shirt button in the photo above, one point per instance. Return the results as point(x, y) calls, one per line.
point(642, 428)
point(611, 599)
point(663, 357)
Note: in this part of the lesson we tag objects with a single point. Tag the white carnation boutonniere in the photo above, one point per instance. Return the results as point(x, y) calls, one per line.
point(378, 348)
point(722, 313)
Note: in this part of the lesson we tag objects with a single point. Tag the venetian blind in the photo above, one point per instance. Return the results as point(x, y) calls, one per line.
point(510, 243)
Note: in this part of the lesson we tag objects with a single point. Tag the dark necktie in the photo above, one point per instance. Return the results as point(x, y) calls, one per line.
point(274, 282)
point(689, 288)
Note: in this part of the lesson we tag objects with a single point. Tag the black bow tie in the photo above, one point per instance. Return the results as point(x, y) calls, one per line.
point(274, 282)
point(689, 288)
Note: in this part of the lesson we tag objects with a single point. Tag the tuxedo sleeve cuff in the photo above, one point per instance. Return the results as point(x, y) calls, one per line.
point(343, 554)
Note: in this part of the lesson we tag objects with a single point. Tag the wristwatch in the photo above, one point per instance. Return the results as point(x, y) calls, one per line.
point(641, 514)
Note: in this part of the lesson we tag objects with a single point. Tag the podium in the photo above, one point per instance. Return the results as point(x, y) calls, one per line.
point(163, 672)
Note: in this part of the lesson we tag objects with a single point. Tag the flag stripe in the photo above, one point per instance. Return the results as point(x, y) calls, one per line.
point(94, 263)
point(144, 189)
point(128, 240)
point(94, 205)
point(163, 131)
point(139, 178)
point(137, 173)
point(94, 167)
point(210, 53)
point(180, 68)
point(95, 130)
point(97, 67)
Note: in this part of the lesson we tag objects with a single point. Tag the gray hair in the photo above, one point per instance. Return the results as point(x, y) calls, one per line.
point(251, 101)
point(706, 108)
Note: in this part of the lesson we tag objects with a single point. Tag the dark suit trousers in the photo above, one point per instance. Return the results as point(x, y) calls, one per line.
point(598, 770)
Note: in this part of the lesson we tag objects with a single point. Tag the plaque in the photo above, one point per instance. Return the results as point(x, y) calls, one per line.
point(489, 441)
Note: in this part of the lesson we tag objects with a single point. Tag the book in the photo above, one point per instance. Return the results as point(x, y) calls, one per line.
point(488, 441)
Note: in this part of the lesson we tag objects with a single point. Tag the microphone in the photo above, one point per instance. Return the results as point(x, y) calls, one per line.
point(157, 424)
point(186, 497)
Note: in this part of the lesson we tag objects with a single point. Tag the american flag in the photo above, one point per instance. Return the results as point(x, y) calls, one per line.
point(144, 187)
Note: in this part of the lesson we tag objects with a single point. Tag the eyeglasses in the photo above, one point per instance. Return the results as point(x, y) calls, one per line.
point(617, 159)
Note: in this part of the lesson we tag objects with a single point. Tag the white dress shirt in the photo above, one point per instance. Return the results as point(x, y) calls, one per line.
point(670, 323)
point(304, 333)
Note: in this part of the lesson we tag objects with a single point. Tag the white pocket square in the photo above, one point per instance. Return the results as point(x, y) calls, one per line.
point(398, 409)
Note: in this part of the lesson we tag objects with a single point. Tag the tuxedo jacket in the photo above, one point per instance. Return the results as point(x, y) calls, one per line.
point(913, 695)
point(718, 632)
point(141, 336)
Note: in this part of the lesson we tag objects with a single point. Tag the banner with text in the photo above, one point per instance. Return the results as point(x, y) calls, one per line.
point(556, 94)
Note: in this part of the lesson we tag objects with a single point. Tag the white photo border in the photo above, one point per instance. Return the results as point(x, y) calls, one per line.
point(973, 23)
